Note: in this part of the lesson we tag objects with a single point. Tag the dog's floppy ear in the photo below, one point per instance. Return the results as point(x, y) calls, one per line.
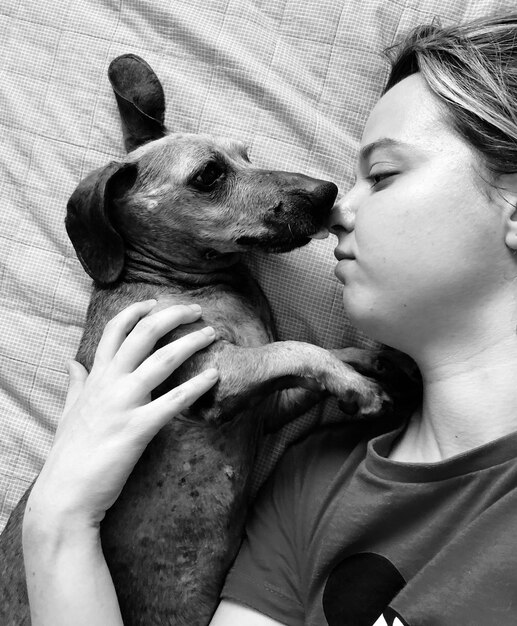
point(140, 99)
point(98, 245)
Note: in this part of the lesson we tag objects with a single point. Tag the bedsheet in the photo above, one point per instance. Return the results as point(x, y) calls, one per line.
point(295, 79)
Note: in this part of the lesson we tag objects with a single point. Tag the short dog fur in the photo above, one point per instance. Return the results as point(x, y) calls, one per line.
point(170, 221)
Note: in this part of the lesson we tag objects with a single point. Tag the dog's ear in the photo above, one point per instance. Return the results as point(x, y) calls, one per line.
point(140, 99)
point(98, 245)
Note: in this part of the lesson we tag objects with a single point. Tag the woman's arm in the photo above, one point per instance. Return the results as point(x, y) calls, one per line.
point(230, 613)
point(67, 577)
point(69, 581)
point(107, 422)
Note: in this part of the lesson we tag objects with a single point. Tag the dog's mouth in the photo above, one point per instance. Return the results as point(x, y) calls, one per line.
point(273, 244)
point(322, 233)
point(285, 241)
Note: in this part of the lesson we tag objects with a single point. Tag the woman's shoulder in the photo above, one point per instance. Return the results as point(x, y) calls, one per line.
point(327, 454)
point(332, 445)
point(327, 447)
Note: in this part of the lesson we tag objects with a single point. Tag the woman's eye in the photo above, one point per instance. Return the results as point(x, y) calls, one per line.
point(376, 179)
point(210, 174)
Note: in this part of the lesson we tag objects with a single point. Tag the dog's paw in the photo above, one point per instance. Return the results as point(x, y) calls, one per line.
point(365, 400)
point(393, 372)
point(358, 395)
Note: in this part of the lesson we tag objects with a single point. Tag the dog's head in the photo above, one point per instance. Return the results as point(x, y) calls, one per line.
point(183, 200)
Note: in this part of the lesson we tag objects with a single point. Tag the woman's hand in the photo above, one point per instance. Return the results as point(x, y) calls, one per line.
point(109, 418)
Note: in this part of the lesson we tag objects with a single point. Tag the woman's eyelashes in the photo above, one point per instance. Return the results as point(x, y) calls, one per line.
point(378, 178)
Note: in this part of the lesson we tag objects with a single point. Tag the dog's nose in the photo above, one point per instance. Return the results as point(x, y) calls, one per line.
point(321, 191)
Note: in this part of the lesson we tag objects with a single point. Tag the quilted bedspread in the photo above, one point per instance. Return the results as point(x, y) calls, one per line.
point(294, 79)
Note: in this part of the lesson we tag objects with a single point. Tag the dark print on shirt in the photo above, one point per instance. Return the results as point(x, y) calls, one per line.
point(390, 618)
point(359, 590)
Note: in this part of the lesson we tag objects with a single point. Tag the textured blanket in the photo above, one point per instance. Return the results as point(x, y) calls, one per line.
point(295, 79)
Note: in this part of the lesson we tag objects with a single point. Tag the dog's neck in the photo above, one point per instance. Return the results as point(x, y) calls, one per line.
point(208, 268)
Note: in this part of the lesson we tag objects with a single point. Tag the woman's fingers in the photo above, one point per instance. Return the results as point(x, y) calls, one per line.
point(142, 339)
point(77, 377)
point(160, 365)
point(118, 328)
point(170, 404)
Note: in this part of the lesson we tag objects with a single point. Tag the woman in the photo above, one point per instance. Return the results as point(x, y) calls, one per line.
point(416, 526)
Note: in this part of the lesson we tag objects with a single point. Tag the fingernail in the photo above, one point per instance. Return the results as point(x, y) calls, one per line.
point(212, 372)
point(208, 330)
point(195, 307)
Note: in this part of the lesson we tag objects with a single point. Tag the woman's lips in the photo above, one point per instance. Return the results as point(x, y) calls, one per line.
point(343, 255)
point(341, 269)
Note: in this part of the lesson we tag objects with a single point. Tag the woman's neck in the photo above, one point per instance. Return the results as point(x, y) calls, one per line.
point(470, 399)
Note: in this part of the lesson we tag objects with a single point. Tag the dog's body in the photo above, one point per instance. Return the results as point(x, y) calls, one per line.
point(169, 222)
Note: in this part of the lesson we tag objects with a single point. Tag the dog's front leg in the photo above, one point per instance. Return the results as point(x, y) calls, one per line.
point(246, 373)
point(288, 404)
point(297, 395)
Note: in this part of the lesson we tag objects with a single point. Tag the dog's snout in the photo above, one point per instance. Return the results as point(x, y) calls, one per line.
point(313, 185)
point(325, 193)
point(321, 192)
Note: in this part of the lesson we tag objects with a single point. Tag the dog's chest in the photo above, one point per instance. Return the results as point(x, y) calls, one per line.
point(239, 320)
point(243, 319)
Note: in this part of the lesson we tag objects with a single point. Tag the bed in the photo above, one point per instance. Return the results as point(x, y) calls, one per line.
point(294, 79)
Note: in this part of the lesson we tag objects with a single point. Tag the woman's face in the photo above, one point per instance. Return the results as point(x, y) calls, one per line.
point(421, 237)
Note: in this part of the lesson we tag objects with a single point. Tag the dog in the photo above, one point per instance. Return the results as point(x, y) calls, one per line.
point(170, 221)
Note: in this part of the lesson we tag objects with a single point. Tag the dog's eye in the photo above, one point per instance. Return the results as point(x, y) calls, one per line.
point(209, 175)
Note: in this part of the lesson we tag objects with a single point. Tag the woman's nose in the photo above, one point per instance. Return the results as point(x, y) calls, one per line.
point(342, 216)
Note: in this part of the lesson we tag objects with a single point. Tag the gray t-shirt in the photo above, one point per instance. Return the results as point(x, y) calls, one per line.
point(341, 535)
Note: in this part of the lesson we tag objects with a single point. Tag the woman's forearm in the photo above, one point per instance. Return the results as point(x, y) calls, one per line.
point(68, 580)
point(108, 420)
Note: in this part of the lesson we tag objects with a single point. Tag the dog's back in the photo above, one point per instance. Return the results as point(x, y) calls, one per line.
point(14, 606)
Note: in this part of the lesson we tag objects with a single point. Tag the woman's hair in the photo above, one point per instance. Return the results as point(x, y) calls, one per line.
point(472, 68)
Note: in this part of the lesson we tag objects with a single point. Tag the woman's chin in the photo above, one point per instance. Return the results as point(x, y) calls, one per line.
point(364, 315)
point(376, 323)
point(356, 310)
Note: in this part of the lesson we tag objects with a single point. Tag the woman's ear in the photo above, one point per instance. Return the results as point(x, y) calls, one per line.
point(511, 229)
point(507, 189)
